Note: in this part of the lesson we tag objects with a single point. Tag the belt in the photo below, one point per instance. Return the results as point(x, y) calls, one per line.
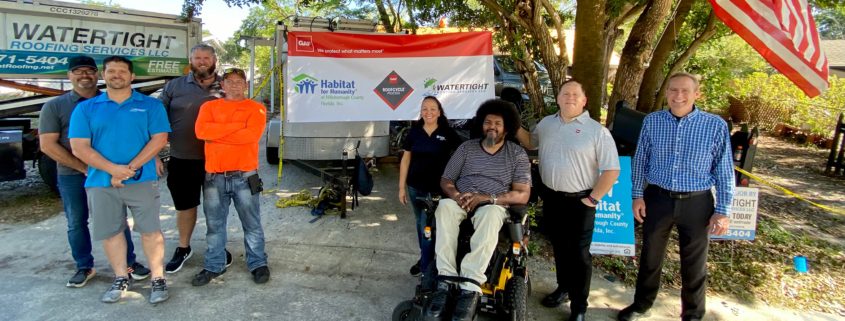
point(580, 194)
point(235, 173)
point(680, 195)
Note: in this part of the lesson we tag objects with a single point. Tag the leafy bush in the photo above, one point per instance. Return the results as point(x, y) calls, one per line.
point(774, 98)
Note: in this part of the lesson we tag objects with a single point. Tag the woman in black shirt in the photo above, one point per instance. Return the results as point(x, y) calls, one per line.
point(428, 146)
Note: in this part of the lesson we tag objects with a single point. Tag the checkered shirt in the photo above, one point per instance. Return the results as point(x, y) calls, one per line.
point(686, 155)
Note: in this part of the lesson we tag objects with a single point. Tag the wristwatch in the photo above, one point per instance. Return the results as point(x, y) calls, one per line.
point(592, 200)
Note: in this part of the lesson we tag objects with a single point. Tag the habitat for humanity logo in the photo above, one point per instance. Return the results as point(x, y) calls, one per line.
point(305, 84)
point(433, 87)
point(393, 90)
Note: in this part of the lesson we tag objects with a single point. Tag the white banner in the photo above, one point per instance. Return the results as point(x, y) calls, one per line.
point(355, 77)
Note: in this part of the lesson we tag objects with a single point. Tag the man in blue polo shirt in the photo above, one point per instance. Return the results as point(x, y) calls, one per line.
point(117, 134)
point(53, 129)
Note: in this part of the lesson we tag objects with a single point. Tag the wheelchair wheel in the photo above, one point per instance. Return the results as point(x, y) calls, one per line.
point(406, 311)
point(517, 298)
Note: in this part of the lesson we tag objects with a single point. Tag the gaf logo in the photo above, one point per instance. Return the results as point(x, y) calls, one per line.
point(304, 44)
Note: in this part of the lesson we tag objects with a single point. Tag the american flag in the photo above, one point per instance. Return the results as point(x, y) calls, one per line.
point(784, 33)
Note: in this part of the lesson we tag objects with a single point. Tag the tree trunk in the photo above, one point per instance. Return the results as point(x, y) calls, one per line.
point(411, 19)
point(528, 16)
point(384, 17)
point(653, 75)
point(708, 32)
point(608, 55)
point(397, 21)
point(588, 67)
point(555, 62)
point(636, 54)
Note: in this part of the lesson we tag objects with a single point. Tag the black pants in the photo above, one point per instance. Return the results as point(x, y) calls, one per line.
point(569, 225)
point(691, 216)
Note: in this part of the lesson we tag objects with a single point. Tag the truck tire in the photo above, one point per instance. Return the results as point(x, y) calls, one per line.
point(272, 155)
point(47, 171)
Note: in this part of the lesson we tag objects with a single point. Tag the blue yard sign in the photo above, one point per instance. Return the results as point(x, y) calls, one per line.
point(614, 228)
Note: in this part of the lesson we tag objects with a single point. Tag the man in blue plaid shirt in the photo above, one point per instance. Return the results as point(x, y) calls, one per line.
point(681, 154)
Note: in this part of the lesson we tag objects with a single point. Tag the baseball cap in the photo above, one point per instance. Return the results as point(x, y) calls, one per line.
point(81, 61)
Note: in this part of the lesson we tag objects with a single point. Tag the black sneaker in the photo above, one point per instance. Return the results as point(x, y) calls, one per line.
point(261, 275)
point(181, 255)
point(228, 258)
point(204, 277)
point(466, 305)
point(138, 271)
point(436, 307)
point(81, 277)
point(415, 269)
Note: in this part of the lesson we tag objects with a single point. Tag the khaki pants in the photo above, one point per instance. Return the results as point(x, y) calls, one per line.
point(487, 222)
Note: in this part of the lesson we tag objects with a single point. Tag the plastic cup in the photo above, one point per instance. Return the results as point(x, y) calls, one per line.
point(800, 263)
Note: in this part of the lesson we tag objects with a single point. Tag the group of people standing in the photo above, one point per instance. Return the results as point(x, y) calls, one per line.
point(106, 145)
point(682, 153)
point(107, 148)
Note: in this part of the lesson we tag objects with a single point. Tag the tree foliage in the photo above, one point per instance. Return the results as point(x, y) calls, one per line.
point(831, 22)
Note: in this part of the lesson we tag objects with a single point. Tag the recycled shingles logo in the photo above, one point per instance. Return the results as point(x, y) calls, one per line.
point(393, 90)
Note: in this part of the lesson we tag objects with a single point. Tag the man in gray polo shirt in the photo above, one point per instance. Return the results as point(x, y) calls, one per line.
point(491, 169)
point(54, 121)
point(182, 98)
point(579, 164)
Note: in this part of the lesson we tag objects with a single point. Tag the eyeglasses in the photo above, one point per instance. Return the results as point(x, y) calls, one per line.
point(87, 72)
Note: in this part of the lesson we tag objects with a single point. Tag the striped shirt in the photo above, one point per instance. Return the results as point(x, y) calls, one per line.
point(685, 155)
point(475, 171)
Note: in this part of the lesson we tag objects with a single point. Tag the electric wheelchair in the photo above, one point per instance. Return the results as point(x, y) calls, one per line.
point(508, 285)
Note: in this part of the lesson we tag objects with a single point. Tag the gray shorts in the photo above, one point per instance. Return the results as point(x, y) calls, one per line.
point(107, 206)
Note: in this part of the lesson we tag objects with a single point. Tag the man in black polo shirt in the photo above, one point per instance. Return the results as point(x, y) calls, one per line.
point(491, 169)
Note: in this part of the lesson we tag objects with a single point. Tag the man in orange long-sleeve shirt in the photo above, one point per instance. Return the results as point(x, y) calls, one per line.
point(231, 128)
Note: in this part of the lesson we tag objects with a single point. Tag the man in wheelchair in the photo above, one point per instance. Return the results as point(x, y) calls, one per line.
point(483, 177)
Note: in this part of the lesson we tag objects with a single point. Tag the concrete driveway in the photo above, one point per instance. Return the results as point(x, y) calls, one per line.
point(328, 269)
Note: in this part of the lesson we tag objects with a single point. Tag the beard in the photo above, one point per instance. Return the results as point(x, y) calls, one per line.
point(490, 139)
point(203, 74)
point(117, 83)
point(86, 84)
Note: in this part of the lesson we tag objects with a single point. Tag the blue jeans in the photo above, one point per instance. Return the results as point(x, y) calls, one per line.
point(218, 192)
point(75, 202)
point(426, 244)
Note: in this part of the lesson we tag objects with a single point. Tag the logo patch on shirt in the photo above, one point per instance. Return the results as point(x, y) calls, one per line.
point(137, 110)
point(440, 138)
point(577, 130)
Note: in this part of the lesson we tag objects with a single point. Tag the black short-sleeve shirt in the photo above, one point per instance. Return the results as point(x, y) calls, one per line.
point(429, 155)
